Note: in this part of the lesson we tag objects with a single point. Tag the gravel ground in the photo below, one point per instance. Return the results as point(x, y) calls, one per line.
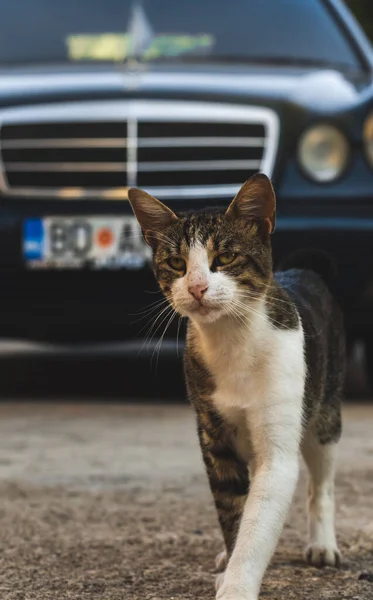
point(111, 502)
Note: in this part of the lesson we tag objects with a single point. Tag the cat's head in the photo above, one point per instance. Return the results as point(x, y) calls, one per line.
point(210, 263)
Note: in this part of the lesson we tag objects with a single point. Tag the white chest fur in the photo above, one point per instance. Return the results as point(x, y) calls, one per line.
point(259, 374)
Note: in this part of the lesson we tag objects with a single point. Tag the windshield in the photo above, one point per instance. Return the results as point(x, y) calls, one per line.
point(65, 31)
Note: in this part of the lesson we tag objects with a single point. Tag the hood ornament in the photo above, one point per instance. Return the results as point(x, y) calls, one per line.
point(140, 34)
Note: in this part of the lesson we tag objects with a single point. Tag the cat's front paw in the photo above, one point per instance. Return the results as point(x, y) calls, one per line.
point(221, 561)
point(320, 555)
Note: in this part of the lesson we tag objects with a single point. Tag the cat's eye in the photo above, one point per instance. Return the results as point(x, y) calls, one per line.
point(176, 263)
point(226, 258)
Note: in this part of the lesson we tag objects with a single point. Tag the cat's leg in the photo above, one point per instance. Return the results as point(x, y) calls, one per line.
point(276, 446)
point(321, 461)
point(228, 478)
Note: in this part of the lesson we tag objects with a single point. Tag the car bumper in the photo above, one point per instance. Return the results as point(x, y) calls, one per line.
point(88, 306)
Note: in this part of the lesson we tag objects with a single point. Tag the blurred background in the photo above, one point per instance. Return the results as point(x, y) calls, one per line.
point(97, 97)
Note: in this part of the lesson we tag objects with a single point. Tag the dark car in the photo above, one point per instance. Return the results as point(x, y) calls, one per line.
point(186, 100)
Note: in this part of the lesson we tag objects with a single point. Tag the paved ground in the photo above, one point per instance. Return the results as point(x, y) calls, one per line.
point(110, 502)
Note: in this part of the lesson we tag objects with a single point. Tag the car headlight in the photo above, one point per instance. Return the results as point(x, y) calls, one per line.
point(323, 153)
point(368, 138)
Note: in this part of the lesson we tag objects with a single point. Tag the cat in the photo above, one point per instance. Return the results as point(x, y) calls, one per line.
point(264, 366)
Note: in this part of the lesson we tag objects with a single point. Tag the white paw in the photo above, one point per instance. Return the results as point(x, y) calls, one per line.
point(323, 556)
point(221, 561)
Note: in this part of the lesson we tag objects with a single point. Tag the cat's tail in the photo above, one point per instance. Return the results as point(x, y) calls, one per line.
point(315, 260)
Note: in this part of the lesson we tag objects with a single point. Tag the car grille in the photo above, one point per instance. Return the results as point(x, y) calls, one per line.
point(171, 149)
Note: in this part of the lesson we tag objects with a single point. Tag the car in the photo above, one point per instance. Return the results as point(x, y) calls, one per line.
point(185, 100)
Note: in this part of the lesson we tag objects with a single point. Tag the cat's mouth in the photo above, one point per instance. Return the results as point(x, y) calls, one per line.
point(207, 309)
point(201, 309)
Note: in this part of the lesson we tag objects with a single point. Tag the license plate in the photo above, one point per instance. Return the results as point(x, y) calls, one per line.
point(84, 242)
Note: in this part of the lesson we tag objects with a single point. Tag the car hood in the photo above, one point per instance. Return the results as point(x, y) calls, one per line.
point(321, 89)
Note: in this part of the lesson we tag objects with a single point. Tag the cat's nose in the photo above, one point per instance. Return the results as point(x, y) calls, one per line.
point(198, 290)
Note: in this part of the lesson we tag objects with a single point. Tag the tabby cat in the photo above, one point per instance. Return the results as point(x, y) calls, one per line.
point(264, 365)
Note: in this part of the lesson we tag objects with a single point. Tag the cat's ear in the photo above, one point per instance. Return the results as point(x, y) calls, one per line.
point(152, 215)
point(255, 200)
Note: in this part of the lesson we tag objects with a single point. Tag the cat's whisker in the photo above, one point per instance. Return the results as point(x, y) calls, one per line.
point(160, 325)
point(177, 334)
point(284, 303)
point(149, 308)
point(273, 299)
point(153, 304)
point(150, 323)
point(147, 316)
point(239, 315)
point(149, 336)
point(264, 316)
point(151, 314)
point(276, 322)
point(254, 296)
point(290, 306)
point(159, 343)
point(252, 310)
point(154, 327)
